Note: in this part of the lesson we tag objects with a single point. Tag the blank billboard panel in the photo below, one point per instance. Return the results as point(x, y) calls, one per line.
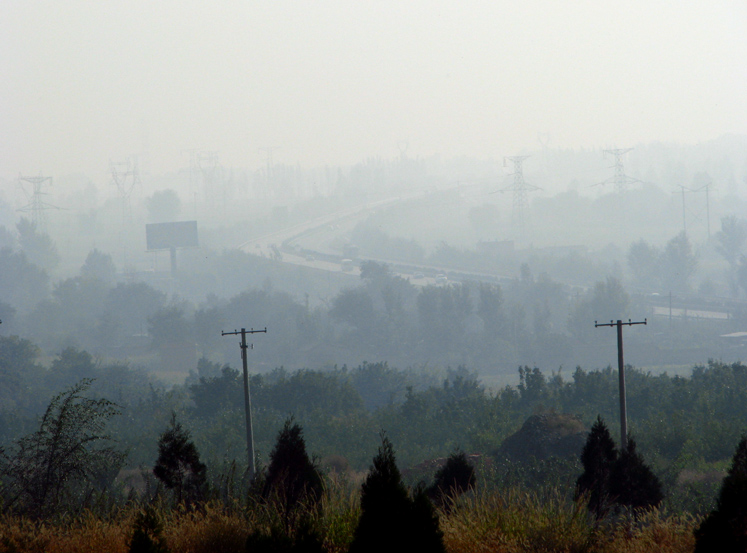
point(164, 236)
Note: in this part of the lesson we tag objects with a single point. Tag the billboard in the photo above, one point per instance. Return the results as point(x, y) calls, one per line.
point(164, 236)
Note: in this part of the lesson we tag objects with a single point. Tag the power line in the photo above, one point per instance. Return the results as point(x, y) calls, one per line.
point(685, 190)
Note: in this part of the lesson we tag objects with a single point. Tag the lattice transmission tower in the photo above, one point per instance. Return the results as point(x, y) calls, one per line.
point(204, 169)
point(125, 176)
point(520, 188)
point(619, 178)
point(36, 204)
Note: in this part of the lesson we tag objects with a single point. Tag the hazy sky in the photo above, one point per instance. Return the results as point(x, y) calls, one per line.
point(333, 82)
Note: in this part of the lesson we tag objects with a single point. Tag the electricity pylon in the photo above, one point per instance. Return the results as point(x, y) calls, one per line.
point(520, 189)
point(619, 179)
point(36, 206)
point(125, 176)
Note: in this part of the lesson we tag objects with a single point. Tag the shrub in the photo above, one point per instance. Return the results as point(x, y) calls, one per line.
point(633, 484)
point(725, 528)
point(178, 465)
point(53, 467)
point(390, 520)
point(454, 478)
point(598, 458)
point(147, 536)
point(291, 479)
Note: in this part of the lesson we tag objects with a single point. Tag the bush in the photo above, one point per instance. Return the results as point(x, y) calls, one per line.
point(633, 484)
point(390, 520)
point(178, 465)
point(725, 528)
point(454, 478)
point(56, 467)
point(292, 479)
point(598, 458)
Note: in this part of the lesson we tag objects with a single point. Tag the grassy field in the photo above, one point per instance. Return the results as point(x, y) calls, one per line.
point(508, 522)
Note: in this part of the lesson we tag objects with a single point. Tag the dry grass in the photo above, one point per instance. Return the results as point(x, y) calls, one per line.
point(85, 535)
point(512, 522)
point(526, 523)
point(654, 532)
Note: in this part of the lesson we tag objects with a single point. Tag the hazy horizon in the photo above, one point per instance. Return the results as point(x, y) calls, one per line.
point(334, 83)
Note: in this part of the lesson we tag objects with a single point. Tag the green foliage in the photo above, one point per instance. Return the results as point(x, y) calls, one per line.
point(169, 325)
point(278, 540)
point(22, 283)
point(390, 519)
point(211, 394)
point(292, 481)
point(598, 458)
point(725, 528)
point(632, 483)
point(615, 478)
point(56, 466)
point(378, 384)
point(147, 536)
point(38, 246)
point(453, 479)
point(678, 264)
point(99, 266)
point(645, 263)
point(163, 206)
point(178, 465)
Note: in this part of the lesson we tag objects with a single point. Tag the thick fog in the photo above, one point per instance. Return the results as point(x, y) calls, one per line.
point(332, 83)
point(424, 183)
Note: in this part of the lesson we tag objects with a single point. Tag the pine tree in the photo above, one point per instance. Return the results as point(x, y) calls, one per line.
point(147, 535)
point(598, 459)
point(178, 465)
point(454, 478)
point(292, 478)
point(633, 484)
point(725, 528)
point(390, 520)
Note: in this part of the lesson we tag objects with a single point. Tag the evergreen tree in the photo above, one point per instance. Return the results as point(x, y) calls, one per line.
point(292, 478)
point(598, 458)
point(454, 478)
point(633, 484)
point(390, 520)
point(178, 465)
point(725, 528)
point(147, 536)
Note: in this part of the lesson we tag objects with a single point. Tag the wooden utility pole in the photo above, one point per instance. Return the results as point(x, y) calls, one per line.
point(251, 467)
point(621, 376)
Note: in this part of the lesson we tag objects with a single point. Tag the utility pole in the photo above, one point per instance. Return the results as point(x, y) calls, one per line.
point(621, 376)
point(251, 467)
